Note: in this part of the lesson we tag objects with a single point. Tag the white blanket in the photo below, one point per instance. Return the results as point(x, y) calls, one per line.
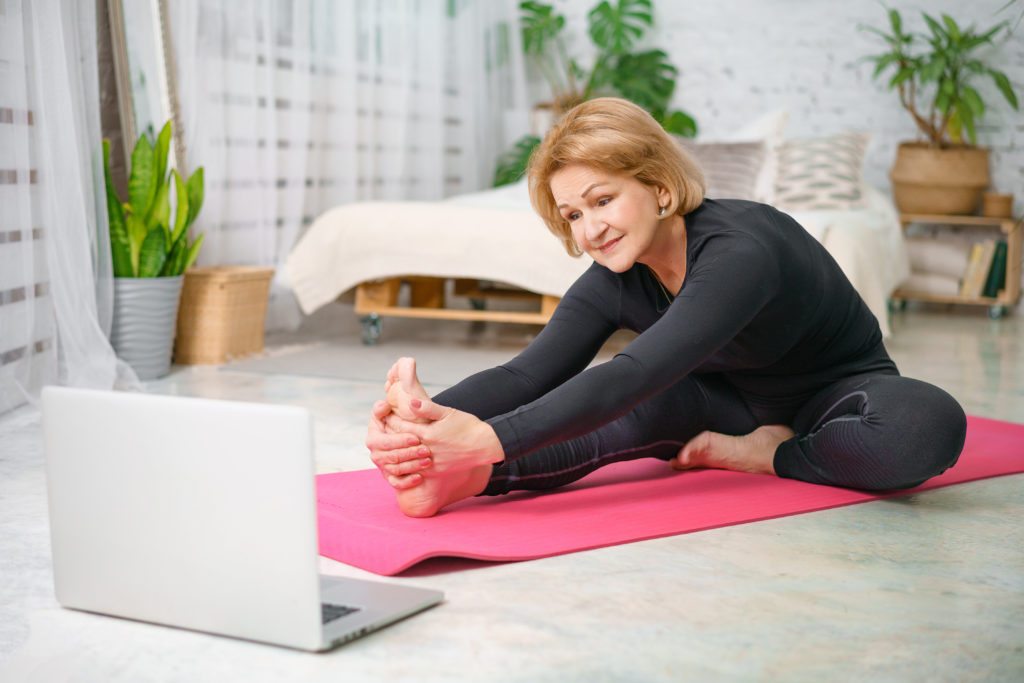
point(495, 235)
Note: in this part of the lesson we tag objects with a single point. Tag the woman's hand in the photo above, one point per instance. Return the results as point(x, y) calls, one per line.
point(399, 457)
point(455, 440)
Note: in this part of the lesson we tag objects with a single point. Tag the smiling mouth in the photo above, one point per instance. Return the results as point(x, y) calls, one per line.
point(608, 246)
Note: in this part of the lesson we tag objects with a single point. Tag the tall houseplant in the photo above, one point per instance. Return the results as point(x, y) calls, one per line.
point(935, 74)
point(645, 77)
point(151, 250)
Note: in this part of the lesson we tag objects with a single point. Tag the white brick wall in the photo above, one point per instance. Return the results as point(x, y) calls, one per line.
point(739, 58)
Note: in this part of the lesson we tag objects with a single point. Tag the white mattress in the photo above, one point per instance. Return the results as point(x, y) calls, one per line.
point(495, 235)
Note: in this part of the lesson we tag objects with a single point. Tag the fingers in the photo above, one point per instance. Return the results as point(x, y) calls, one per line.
point(406, 482)
point(394, 456)
point(380, 410)
point(388, 442)
point(413, 466)
point(394, 423)
point(376, 428)
point(427, 409)
point(402, 461)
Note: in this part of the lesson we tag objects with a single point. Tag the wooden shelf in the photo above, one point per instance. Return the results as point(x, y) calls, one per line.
point(1009, 296)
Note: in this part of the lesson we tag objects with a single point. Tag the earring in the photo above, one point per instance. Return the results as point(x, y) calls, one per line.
point(662, 210)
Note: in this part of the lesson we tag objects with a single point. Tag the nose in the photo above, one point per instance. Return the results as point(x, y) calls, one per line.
point(593, 227)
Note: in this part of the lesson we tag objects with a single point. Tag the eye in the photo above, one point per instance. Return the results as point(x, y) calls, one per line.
point(603, 200)
point(571, 216)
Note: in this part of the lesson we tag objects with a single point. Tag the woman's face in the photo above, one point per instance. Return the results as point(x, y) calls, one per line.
point(613, 217)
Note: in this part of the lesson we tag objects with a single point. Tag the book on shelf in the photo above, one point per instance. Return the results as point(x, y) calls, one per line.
point(996, 280)
point(978, 267)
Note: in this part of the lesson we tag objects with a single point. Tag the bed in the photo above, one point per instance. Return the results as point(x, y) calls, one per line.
point(428, 259)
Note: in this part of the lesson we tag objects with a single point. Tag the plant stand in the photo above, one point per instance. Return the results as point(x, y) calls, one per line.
point(998, 306)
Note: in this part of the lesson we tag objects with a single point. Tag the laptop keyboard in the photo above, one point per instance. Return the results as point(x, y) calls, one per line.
point(331, 612)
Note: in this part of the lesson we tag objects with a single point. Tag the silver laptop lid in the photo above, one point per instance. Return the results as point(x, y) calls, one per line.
point(194, 513)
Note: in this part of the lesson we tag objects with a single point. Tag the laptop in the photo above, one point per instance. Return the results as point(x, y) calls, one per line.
point(199, 514)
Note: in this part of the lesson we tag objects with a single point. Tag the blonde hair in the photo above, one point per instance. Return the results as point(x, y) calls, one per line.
point(614, 135)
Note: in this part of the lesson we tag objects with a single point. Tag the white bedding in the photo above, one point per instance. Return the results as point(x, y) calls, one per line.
point(495, 235)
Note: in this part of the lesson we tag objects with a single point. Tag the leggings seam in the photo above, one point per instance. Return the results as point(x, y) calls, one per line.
point(824, 417)
point(597, 459)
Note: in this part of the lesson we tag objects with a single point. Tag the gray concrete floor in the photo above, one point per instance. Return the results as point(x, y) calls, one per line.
point(927, 586)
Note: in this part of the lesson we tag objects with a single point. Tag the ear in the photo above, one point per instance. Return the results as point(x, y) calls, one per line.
point(663, 195)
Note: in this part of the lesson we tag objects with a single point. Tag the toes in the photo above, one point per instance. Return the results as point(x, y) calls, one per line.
point(682, 459)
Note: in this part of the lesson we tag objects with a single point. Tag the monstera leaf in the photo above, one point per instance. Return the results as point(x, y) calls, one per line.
point(616, 28)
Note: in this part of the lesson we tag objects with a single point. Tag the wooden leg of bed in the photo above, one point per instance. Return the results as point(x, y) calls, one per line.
point(376, 295)
point(426, 292)
point(372, 297)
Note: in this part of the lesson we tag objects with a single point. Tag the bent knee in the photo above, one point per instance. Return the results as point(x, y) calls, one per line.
point(930, 447)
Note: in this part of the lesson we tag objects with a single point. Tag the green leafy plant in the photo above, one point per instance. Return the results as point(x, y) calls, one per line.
point(646, 78)
point(144, 240)
point(1020, 13)
point(934, 74)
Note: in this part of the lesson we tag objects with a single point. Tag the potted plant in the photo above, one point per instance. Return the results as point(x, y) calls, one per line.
point(150, 248)
point(934, 75)
point(644, 77)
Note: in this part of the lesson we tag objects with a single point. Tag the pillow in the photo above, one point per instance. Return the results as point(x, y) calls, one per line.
point(768, 127)
point(730, 168)
point(821, 173)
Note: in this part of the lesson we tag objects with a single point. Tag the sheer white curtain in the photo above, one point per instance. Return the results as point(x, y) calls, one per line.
point(295, 106)
point(56, 286)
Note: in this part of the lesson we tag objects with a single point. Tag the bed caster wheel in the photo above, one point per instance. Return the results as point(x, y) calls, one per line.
point(996, 312)
point(371, 329)
point(897, 305)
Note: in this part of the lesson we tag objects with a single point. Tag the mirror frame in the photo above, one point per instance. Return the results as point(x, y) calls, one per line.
point(167, 76)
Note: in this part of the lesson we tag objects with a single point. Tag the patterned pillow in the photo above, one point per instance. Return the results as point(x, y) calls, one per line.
point(822, 173)
point(730, 168)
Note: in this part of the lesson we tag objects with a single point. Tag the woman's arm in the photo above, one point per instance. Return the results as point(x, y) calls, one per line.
point(728, 285)
point(581, 323)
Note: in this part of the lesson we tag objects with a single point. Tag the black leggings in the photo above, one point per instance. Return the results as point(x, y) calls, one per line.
point(873, 431)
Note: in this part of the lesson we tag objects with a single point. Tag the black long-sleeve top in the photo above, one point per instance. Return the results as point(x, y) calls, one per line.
point(762, 303)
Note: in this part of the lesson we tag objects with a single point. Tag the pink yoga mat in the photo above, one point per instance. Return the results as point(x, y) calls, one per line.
point(360, 523)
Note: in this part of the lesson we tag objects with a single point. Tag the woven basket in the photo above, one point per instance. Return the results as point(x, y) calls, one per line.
point(221, 314)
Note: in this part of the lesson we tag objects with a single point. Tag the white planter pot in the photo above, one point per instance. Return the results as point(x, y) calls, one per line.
point(145, 315)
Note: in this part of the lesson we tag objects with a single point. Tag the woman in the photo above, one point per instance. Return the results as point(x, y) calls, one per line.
point(754, 351)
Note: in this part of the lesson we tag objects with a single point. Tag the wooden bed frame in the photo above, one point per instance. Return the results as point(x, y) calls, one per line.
point(379, 298)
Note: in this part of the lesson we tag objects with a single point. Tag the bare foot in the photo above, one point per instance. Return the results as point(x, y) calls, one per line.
point(753, 452)
point(402, 387)
point(434, 491)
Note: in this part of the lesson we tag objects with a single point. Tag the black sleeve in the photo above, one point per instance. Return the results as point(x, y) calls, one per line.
point(583, 320)
point(728, 284)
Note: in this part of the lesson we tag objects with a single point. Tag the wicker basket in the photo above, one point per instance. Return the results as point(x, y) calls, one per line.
point(221, 314)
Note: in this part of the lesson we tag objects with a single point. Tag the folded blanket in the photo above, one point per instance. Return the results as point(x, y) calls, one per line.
point(938, 256)
point(932, 283)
